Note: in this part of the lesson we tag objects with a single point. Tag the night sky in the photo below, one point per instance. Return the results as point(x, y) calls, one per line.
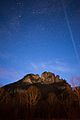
point(37, 36)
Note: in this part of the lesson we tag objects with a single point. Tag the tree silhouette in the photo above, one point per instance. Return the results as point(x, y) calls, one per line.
point(32, 96)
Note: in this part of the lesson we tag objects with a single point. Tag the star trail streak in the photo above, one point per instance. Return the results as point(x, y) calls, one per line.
point(70, 31)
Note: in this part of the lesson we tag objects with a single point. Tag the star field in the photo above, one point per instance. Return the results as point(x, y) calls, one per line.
point(34, 37)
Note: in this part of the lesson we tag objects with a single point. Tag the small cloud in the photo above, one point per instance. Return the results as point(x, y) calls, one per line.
point(75, 81)
point(8, 73)
point(63, 68)
point(34, 66)
point(44, 66)
point(52, 66)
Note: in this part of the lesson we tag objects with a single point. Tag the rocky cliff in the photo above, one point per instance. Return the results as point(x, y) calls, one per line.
point(39, 97)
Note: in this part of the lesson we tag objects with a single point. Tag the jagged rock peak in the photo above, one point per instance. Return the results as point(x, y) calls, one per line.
point(48, 77)
point(31, 78)
point(45, 78)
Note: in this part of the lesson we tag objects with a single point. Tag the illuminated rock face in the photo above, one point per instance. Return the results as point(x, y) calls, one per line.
point(46, 78)
point(57, 79)
point(31, 78)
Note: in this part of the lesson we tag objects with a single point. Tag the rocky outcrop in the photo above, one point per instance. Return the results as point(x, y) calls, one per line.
point(46, 78)
point(39, 97)
point(31, 78)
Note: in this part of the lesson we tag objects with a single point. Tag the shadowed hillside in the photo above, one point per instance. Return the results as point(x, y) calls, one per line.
point(44, 97)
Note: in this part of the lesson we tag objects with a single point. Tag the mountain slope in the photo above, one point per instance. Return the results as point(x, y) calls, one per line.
point(39, 97)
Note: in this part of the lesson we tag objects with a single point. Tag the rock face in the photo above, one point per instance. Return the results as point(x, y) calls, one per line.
point(31, 78)
point(46, 78)
point(39, 97)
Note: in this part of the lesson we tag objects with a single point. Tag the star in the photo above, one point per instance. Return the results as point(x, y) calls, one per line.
point(20, 16)
point(19, 4)
point(37, 12)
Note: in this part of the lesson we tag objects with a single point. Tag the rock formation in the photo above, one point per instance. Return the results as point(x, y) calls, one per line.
point(39, 97)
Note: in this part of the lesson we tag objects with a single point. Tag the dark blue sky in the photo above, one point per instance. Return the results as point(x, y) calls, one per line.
point(35, 36)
